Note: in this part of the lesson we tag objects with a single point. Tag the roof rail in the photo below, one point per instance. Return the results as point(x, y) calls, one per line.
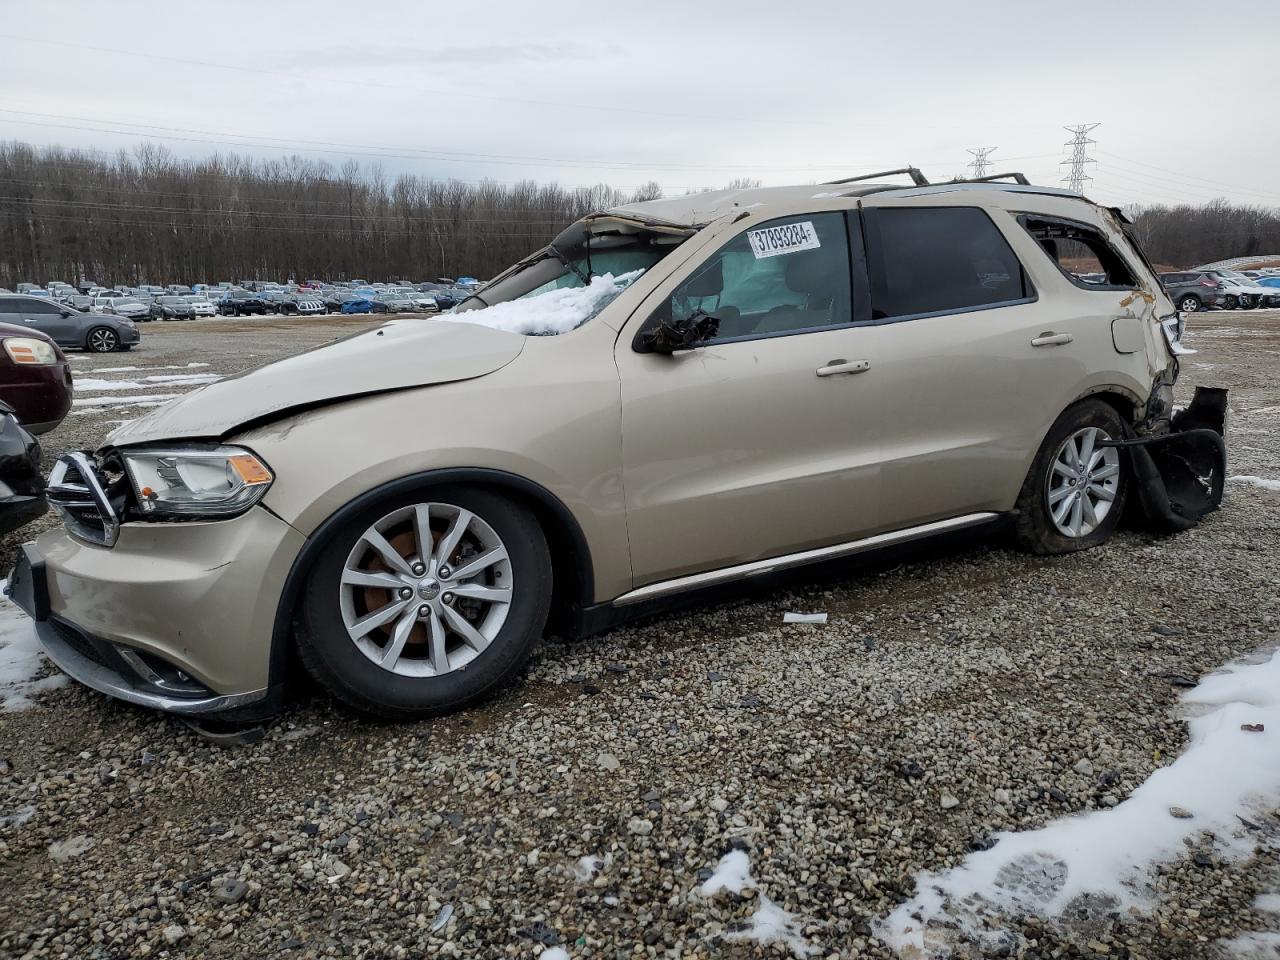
point(918, 178)
point(1015, 177)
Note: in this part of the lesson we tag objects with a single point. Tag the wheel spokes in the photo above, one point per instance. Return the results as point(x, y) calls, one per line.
point(1106, 473)
point(439, 653)
point(390, 555)
point(452, 537)
point(460, 625)
point(371, 578)
point(482, 562)
point(478, 591)
point(376, 619)
point(399, 636)
point(422, 532)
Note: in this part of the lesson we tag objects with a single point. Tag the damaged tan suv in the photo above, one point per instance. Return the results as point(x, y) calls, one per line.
point(670, 396)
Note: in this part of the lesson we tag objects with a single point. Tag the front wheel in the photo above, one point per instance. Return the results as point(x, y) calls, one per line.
point(1074, 494)
point(424, 603)
point(1231, 302)
point(1189, 304)
point(102, 340)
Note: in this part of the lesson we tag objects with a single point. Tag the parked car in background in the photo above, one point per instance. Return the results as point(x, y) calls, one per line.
point(122, 306)
point(172, 307)
point(305, 304)
point(35, 378)
point(423, 302)
point(21, 482)
point(357, 303)
point(1192, 290)
point(99, 332)
point(392, 303)
point(79, 301)
point(274, 298)
point(201, 305)
point(1271, 284)
point(240, 303)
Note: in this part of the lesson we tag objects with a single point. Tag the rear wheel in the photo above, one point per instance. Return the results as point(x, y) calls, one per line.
point(102, 340)
point(424, 603)
point(1231, 302)
point(1074, 494)
point(1189, 304)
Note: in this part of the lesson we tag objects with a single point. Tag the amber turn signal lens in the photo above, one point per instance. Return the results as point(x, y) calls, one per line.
point(249, 469)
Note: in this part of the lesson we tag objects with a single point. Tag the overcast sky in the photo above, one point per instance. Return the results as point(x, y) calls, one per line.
point(688, 94)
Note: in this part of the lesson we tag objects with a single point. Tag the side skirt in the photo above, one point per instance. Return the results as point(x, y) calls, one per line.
point(727, 582)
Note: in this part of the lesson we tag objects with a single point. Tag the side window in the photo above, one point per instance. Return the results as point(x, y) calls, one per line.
point(36, 306)
point(785, 276)
point(927, 260)
point(1080, 251)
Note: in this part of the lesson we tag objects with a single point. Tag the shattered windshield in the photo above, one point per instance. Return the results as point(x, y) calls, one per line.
point(561, 288)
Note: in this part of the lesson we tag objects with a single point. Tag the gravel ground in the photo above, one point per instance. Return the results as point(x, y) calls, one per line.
point(949, 697)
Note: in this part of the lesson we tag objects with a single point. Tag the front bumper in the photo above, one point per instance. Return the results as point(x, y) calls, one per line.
point(176, 616)
point(129, 335)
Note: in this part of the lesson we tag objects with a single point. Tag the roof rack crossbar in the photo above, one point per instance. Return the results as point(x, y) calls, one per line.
point(918, 178)
point(1015, 177)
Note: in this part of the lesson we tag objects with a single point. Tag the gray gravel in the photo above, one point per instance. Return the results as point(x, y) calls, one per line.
point(960, 693)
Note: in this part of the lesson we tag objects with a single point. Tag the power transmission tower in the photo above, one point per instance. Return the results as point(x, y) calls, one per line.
point(1079, 157)
point(978, 166)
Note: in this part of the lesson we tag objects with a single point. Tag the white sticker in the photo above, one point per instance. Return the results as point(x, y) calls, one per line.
point(788, 238)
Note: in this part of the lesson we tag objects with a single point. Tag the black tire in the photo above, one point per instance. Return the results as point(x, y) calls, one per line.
point(1190, 304)
point(102, 340)
point(1034, 529)
point(1230, 303)
point(330, 656)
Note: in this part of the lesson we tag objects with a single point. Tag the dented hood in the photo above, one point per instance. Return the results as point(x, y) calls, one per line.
point(397, 356)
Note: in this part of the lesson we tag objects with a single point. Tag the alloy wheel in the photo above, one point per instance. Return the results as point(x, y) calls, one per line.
point(102, 340)
point(1083, 482)
point(1189, 305)
point(426, 589)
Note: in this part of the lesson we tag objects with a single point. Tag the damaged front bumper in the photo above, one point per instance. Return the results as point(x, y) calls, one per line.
point(1179, 474)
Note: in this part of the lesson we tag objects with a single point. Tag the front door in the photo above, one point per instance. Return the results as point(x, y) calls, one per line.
point(765, 441)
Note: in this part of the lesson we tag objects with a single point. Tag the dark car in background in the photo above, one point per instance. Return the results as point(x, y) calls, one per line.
point(35, 378)
point(21, 484)
point(1192, 290)
point(239, 303)
point(304, 304)
point(172, 307)
point(99, 332)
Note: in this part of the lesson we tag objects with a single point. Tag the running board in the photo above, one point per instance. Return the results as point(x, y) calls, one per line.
point(696, 581)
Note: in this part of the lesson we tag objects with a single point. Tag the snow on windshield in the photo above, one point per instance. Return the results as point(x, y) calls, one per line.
point(556, 311)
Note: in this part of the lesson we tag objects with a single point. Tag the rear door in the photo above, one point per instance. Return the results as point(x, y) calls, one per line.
point(765, 441)
point(46, 316)
point(967, 391)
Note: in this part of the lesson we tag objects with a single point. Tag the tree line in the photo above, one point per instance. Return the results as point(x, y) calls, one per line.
point(147, 216)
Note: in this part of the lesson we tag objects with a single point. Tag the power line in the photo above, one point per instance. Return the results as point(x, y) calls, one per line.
point(1079, 158)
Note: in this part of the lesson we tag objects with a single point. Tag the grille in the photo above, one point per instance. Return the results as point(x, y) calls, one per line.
point(77, 490)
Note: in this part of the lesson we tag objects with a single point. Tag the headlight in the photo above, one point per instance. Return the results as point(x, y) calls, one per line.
point(196, 482)
point(29, 350)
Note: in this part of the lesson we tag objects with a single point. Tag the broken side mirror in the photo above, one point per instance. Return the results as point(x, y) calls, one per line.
point(668, 335)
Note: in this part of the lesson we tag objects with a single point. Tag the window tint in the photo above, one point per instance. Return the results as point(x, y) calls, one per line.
point(939, 260)
point(784, 276)
point(34, 305)
point(1080, 249)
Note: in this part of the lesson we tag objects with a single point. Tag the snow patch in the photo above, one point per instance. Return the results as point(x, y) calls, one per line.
point(1105, 858)
point(21, 659)
point(1262, 482)
point(145, 400)
point(553, 953)
point(1267, 903)
point(588, 867)
point(1253, 946)
point(90, 384)
point(180, 366)
point(556, 311)
point(771, 924)
point(732, 873)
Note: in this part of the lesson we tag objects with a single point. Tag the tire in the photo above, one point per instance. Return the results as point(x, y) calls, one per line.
point(1189, 304)
point(418, 682)
point(102, 340)
point(1230, 303)
point(1035, 528)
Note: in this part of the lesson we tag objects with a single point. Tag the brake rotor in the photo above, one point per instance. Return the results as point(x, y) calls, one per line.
point(406, 545)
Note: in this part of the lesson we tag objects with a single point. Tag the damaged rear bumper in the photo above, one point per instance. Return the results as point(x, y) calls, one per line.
point(1179, 475)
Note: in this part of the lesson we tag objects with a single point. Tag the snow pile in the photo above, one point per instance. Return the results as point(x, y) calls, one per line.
point(587, 867)
point(21, 660)
point(144, 400)
point(181, 366)
point(1106, 857)
point(553, 953)
point(556, 311)
point(1253, 946)
point(1262, 482)
point(174, 380)
point(769, 924)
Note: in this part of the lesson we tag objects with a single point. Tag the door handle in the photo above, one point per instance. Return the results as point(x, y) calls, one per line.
point(1051, 339)
point(835, 368)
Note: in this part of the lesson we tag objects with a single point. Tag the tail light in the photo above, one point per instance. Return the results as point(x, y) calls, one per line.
point(1209, 283)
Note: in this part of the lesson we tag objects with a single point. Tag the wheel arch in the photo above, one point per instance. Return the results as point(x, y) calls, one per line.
point(573, 578)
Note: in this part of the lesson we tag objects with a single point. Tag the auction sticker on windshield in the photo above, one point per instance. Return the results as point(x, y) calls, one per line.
point(788, 238)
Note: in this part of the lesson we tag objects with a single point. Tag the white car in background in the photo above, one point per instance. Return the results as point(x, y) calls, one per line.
point(1242, 292)
point(131, 308)
point(201, 305)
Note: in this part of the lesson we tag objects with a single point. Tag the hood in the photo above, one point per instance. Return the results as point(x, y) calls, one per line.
point(396, 356)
